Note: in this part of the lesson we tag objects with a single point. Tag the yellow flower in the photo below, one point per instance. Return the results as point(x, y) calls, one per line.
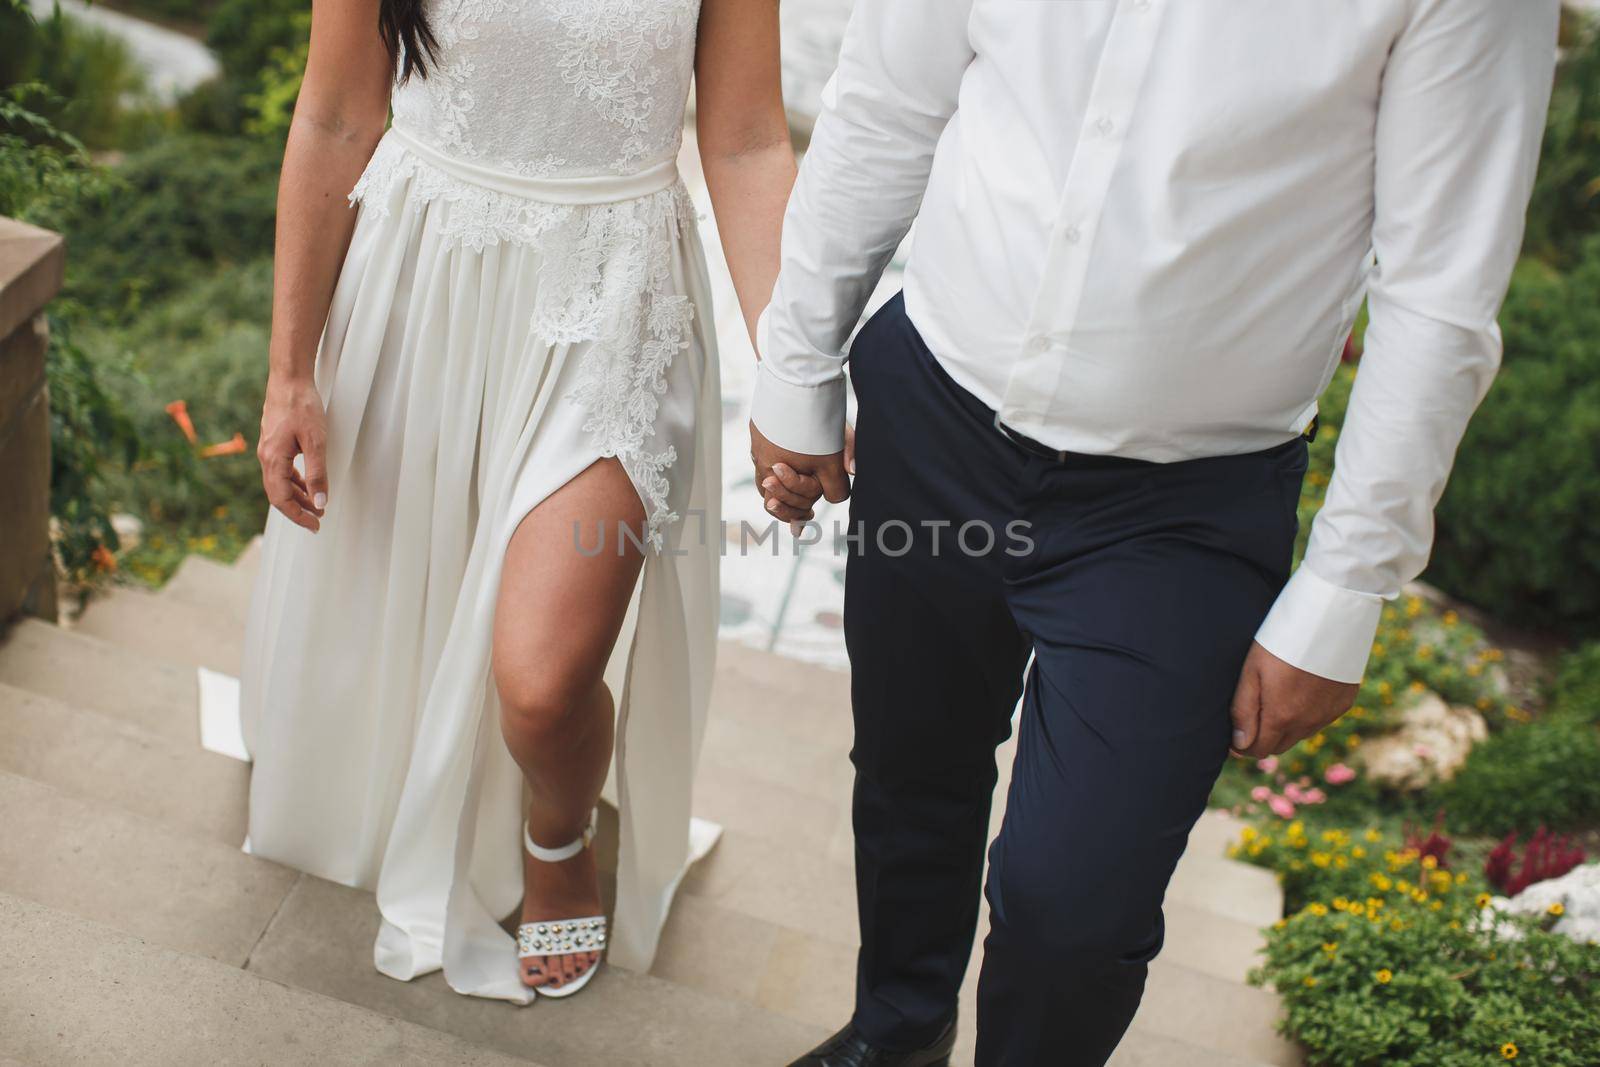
point(1280, 924)
point(1508, 1050)
point(1482, 900)
point(1384, 976)
point(1451, 618)
point(1321, 859)
point(1373, 835)
point(1474, 669)
point(1249, 834)
point(1382, 881)
point(1558, 909)
point(1309, 981)
point(1340, 903)
point(1317, 909)
point(1413, 607)
point(1354, 742)
point(1461, 878)
point(1330, 947)
point(1484, 703)
point(1430, 862)
point(1377, 648)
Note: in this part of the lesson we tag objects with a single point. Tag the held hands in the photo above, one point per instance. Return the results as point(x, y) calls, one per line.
point(791, 482)
point(294, 423)
point(1277, 705)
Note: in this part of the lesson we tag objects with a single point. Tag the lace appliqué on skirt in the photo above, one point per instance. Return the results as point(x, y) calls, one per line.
point(605, 279)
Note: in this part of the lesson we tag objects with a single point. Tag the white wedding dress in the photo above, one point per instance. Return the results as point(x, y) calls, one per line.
point(524, 294)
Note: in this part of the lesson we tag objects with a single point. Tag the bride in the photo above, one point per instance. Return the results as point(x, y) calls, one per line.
point(490, 441)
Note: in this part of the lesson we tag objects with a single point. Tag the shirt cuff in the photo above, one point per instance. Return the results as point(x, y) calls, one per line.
point(808, 419)
point(1322, 628)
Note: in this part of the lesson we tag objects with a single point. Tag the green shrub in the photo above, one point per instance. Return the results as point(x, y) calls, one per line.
point(95, 89)
point(1516, 525)
point(1433, 983)
point(1577, 688)
point(248, 36)
point(178, 212)
point(92, 440)
point(205, 346)
point(1544, 773)
point(1566, 197)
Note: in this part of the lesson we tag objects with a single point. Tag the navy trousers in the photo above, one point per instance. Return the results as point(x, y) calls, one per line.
point(1137, 588)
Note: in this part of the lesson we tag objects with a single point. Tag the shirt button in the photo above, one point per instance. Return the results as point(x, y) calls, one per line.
point(1105, 126)
point(1141, 5)
point(1072, 234)
point(1039, 345)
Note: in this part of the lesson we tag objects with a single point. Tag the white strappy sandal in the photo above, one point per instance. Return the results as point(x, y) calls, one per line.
point(562, 937)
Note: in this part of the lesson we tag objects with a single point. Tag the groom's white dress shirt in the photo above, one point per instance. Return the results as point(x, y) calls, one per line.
point(1147, 227)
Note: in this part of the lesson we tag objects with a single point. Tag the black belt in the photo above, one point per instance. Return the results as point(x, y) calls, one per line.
point(1057, 455)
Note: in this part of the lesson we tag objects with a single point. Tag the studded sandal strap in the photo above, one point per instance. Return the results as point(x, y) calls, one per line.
point(565, 852)
point(566, 937)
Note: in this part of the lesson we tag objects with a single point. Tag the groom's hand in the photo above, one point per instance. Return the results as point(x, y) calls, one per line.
point(792, 482)
point(1277, 705)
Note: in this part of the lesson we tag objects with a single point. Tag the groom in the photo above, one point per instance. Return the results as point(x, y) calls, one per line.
point(1145, 230)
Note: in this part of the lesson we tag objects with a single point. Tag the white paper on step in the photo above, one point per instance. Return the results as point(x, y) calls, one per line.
point(220, 730)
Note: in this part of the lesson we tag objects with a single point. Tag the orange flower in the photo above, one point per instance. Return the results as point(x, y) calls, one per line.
point(179, 410)
point(103, 558)
point(224, 448)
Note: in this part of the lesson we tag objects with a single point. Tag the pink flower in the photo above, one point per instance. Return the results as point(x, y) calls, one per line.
point(1294, 793)
point(1282, 807)
point(1268, 765)
point(1260, 794)
point(1339, 774)
point(1314, 796)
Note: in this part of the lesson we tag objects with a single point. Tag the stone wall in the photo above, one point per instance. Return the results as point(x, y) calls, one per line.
point(31, 262)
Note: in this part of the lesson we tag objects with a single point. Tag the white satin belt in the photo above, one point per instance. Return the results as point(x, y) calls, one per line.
point(590, 189)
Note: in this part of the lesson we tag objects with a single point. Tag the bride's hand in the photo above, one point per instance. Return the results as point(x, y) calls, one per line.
point(294, 423)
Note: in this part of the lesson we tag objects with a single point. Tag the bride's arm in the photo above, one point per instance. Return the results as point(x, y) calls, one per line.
point(338, 119)
point(744, 140)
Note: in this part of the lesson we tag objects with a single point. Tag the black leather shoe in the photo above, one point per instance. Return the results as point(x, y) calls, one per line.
point(848, 1048)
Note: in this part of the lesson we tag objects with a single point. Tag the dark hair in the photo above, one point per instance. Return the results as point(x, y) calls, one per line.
point(403, 25)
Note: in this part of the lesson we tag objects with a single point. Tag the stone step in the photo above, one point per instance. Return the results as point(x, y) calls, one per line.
point(115, 765)
point(136, 875)
point(152, 694)
point(1213, 1013)
point(322, 937)
point(150, 623)
point(1237, 891)
point(1141, 1049)
point(1214, 832)
point(1210, 943)
point(82, 992)
point(205, 583)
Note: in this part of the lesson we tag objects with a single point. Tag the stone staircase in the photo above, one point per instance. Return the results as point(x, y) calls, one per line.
point(134, 931)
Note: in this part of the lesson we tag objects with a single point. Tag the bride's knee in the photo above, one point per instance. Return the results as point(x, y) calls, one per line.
point(546, 710)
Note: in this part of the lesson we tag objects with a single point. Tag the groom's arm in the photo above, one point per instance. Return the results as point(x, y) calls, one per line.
point(859, 188)
point(1459, 127)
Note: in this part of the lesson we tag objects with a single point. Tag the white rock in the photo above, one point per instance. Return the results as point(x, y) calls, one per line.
point(1430, 746)
point(1577, 891)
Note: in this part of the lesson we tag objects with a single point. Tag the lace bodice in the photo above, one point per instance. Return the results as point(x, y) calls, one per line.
point(555, 88)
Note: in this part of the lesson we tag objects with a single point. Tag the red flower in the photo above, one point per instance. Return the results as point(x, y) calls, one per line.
point(1547, 856)
point(1435, 844)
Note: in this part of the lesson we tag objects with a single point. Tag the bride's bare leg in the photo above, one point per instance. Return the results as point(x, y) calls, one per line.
point(557, 619)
